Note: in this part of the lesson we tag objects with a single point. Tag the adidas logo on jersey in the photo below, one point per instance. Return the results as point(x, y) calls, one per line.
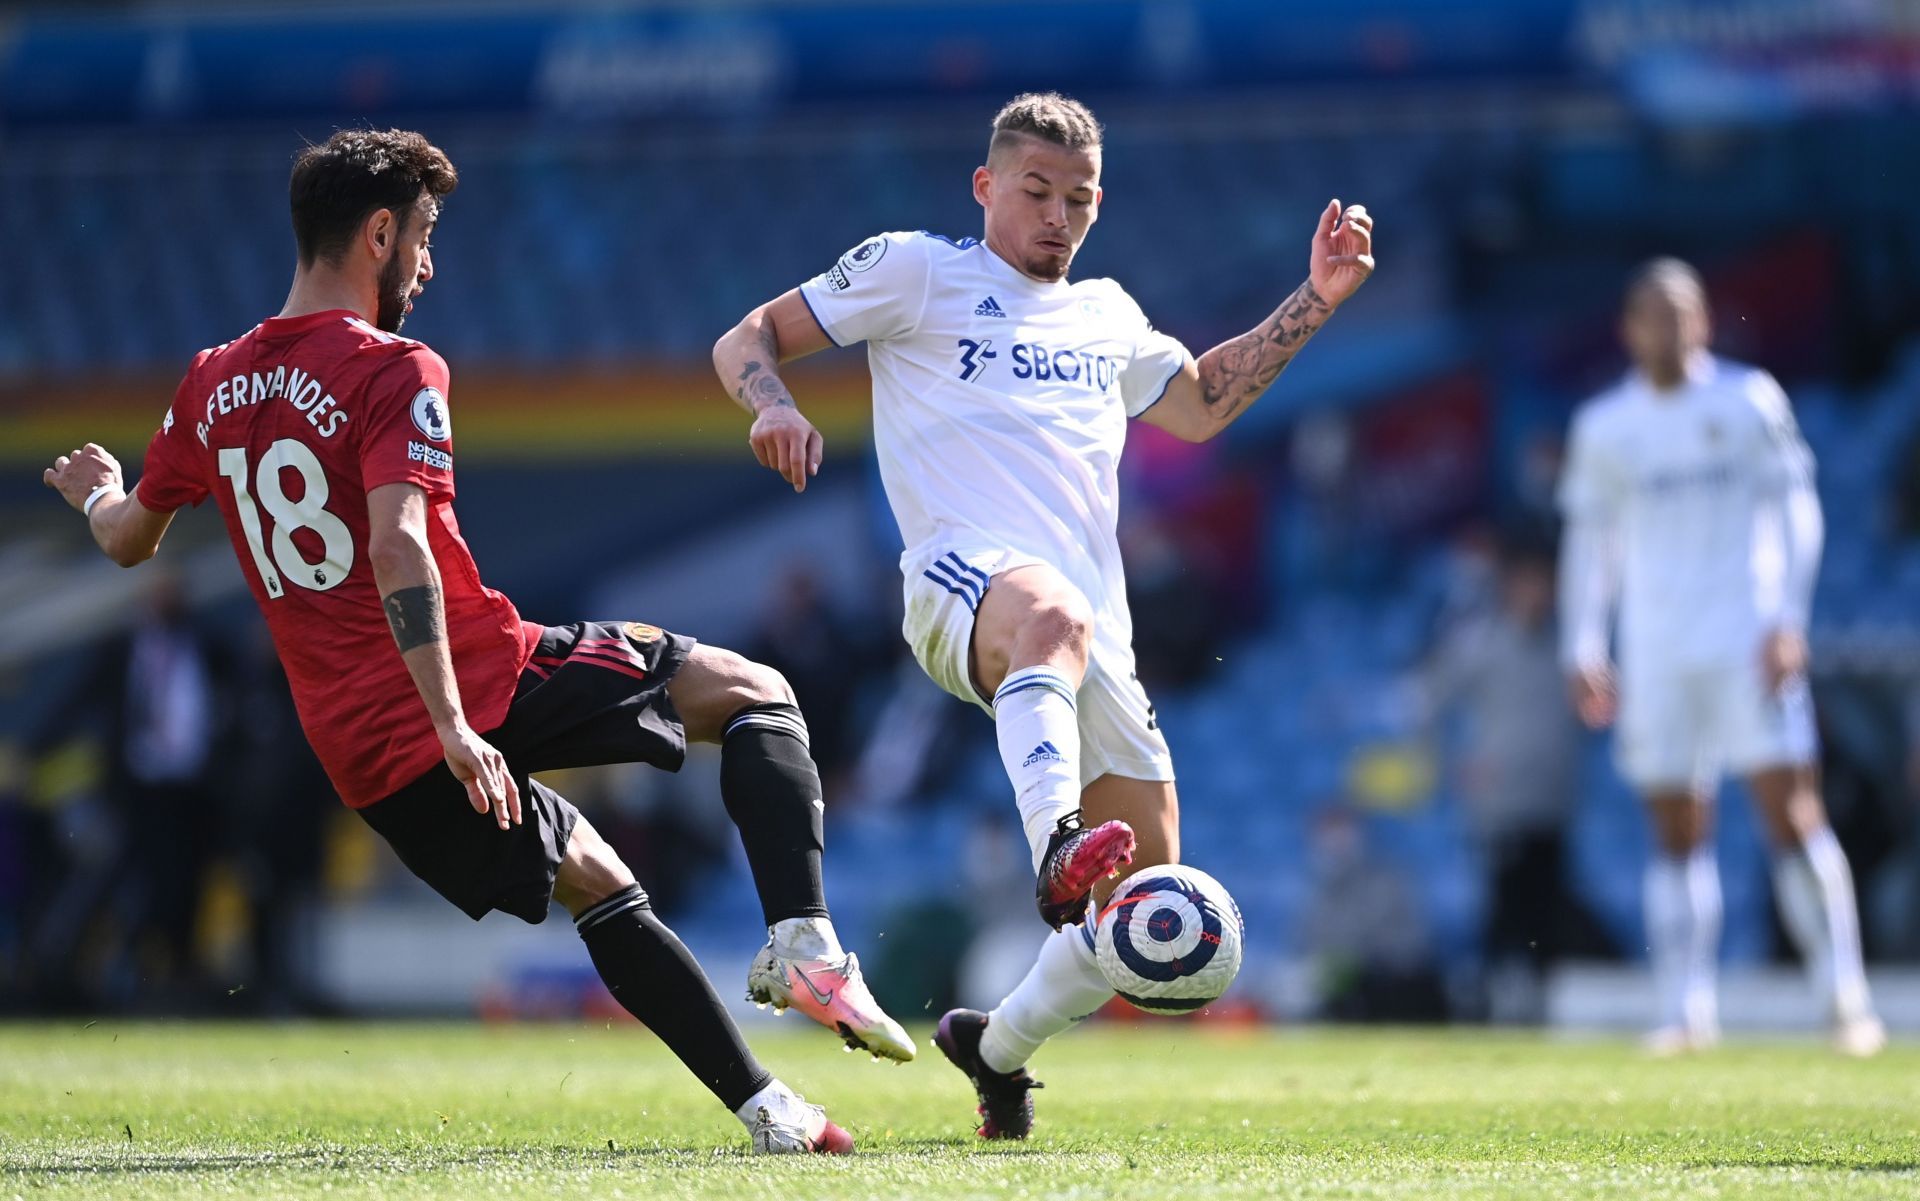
point(989, 308)
point(1045, 750)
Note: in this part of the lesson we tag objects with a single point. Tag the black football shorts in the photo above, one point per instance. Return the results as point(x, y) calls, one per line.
point(593, 693)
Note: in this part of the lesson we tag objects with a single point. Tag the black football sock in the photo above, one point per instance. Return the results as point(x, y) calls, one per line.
point(772, 792)
point(650, 972)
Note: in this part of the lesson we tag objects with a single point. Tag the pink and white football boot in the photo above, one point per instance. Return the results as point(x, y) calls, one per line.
point(831, 992)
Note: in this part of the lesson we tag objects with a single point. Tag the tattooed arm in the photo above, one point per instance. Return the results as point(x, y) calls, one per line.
point(747, 358)
point(408, 580)
point(1212, 391)
point(1206, 395)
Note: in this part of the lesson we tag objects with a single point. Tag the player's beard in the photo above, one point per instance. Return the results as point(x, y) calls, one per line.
point(1050, 267)
point(395, 291)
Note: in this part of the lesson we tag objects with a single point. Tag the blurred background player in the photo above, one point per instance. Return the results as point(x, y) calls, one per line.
point(369, 556)
point(1499, 671)
point(165, 693)
point(1688, 494)
point(1001, 395)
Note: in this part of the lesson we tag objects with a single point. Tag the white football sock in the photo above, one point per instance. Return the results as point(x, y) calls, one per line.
point(781, 1102)
point(1063, 988)
point(805, 938)
point(1703, 957)
point(1038, 727)
point(1683, 912)
point(1669, 919)
point(1815, 891)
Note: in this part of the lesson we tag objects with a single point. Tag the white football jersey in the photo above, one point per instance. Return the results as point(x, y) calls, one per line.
point(1000, 403)
point(1689, 483)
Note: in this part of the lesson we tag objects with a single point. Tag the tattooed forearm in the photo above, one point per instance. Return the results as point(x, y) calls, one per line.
point(416, 616)
point(747, 374)
point(1234, 373)
point(758, 386)
point(766, 392)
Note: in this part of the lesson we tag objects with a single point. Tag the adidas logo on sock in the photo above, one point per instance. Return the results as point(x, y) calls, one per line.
point(1045, 750)
point(989, 308)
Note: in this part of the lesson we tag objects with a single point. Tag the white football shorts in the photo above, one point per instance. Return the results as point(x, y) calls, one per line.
point(1685, 727)
point(1119, 734)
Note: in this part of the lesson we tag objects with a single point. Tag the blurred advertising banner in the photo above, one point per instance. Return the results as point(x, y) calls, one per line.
point(615, 61)
point(584, 413)
point(1754, 61)
point(1698, 60)
point(1423, 456)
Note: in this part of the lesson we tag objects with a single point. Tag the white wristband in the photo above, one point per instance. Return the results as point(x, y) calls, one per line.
point(93, 497)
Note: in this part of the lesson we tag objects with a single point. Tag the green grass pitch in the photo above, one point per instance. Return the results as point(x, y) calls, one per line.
point(1158, 1111)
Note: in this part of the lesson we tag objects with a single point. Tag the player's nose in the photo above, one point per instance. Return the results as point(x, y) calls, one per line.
point(426, 266)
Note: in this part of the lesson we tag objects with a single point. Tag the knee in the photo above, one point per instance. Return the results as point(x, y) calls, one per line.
point(1791, 823)
point(740, 680)
point(757, 684)
point(1063, 619)
point(1679, 827)
point(717, 684)
point(591, 872)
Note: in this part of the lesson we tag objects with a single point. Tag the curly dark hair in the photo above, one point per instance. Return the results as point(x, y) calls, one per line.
point(337, 184)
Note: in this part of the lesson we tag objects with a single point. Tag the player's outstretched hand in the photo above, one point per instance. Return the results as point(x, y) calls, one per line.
point(483, 770)
point(1783, 657)
point(1342, 251)
point(787, 442)
point(1595, 695)
point(75, 475)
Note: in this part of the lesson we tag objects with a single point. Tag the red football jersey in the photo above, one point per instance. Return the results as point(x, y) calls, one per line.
point(288, 427)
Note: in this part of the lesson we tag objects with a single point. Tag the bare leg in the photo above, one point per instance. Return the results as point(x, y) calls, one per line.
point(714, 685)
point(1030, 617)
point(590, 873)
point(1151, 807)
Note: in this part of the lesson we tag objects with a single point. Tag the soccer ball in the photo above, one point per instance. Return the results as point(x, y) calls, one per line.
point(1169, 939)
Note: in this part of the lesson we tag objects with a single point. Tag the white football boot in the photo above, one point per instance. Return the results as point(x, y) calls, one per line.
point(815, 1134)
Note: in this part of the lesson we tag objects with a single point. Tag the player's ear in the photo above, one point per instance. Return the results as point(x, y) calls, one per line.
point(383, 231)
point(982, 184)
